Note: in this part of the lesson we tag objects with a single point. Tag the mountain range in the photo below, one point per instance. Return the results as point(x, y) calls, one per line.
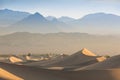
point(60, 43)
point(9, 17)
point(97, 23)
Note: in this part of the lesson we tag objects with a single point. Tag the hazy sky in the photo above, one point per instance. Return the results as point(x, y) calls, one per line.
point(57, 8)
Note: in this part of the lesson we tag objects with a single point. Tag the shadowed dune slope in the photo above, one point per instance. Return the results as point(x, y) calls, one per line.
point(81, 58)
point(27, 73)
point(31, 73)
point(44, 63)
point(111, 63)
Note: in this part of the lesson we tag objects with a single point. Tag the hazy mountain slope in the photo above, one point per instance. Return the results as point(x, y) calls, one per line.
point(51, 18)
point(8, 17)
point(98, 23)
point(38, 24)
point(66, 19)
point(33, 23)
point(63, 26)
point(58, 43)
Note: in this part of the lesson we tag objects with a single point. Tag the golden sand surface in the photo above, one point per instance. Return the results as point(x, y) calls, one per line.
point(8, 76)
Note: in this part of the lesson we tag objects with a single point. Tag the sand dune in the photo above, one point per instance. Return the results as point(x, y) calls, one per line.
point(79, 59)
point(87, 52)
point(46, 62)
point(7, 75)
point(100, 59)
point(111, 63)
point(31, 73)
point(15, 59)
point(27, 73)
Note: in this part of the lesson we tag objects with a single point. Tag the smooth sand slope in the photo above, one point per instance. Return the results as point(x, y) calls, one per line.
point(31, 73)
point(81, 58)
point(111, 63)
point(26, 73)
point(44, 63)
point(7, 75)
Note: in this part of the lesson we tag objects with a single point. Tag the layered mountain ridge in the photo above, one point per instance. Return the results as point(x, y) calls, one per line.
point(97, 23)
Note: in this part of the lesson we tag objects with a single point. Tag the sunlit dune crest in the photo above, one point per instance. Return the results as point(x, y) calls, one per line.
point(100, 59)
point(82, 65)
point(87, 52)
point(27, 57)
point(14, 59)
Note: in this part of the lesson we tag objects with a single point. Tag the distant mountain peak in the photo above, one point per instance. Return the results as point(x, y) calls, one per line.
point(13, 11)
point(36, 17)
point(101, 14)
point(9, 17)
point(37, 13)
point(6, 10)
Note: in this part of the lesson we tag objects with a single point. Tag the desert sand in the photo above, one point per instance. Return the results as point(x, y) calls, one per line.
point(31, 73)
point(111, 63)
point(82, 65)
point(7, 75)
point(81, 58)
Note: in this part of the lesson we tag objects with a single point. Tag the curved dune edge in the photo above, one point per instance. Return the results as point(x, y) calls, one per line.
point(8, 76)
point(27, 57)
point(55, 68)
point(87, 52)
point(100, 59)
point(82, 58)
point(14, 59)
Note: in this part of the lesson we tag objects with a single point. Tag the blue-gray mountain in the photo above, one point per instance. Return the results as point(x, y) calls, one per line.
point(66, 19)
point(51, 18)
point(100, 23)
point(36, 23)
point(8, 17)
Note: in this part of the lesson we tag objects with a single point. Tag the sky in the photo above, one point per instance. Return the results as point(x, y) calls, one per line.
point(71, 8)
